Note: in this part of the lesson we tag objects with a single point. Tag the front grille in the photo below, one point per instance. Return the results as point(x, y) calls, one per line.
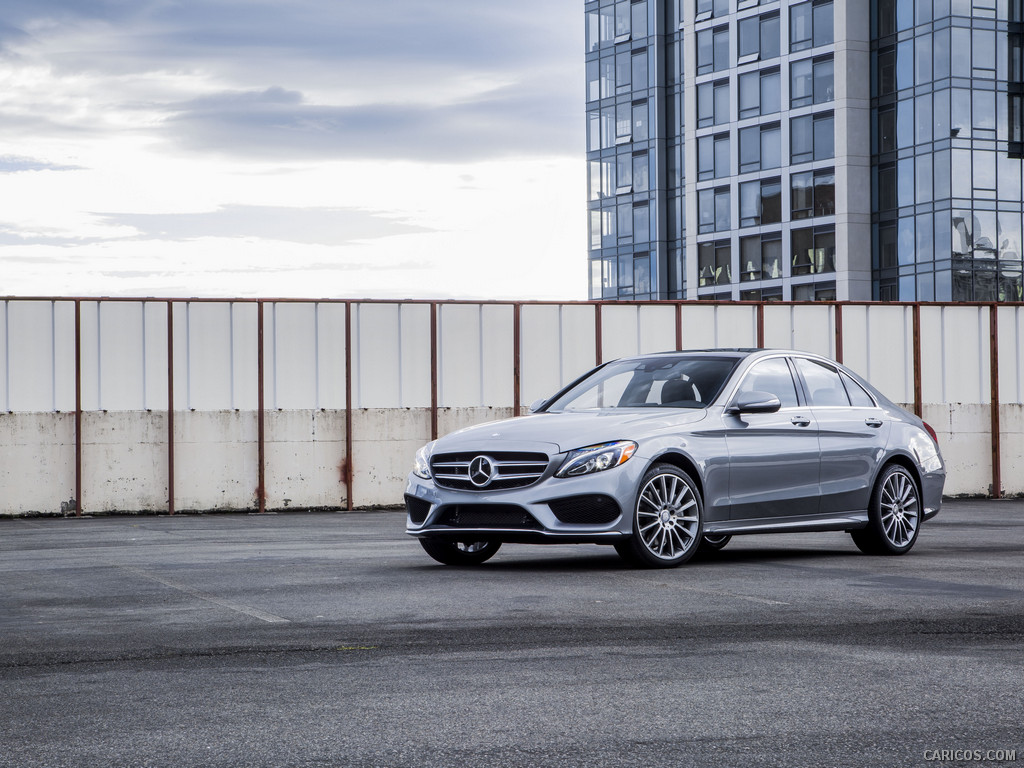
point(591, 509)
point(509, 470)
point(487, 516)
point(418, 509)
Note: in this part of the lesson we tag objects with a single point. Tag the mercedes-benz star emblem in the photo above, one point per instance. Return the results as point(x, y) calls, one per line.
point(481, 469)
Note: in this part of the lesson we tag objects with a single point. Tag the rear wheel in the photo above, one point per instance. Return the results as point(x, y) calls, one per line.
point(894, 515)
point(667, 520)
point(460, 552)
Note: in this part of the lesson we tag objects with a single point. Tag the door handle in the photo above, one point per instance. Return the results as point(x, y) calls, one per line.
point(801, 421)
point(876, 423)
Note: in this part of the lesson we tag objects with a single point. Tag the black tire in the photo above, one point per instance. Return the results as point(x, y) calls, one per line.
point(668, 520)
point(712, 543)
point(894, 514)
point(460, 552)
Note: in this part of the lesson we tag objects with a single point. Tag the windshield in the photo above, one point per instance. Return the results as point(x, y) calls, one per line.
point(661, 382)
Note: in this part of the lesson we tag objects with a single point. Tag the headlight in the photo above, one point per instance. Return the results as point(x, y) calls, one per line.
point(421, 465)
point(596, 458)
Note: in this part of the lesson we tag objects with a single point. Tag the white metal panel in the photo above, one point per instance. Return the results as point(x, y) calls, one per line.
point(30, 355)
point(331, 348)
point(1011, 354)
point(620, 331)
point(498, 355)
point(63, 356)
point(154, 368)
point(89, 344)
point(376, 358)
point(700, 326)
point(578, 324)
point(296, 356)
point(541, 357)
point(208, 362)
point(460, 355)
point(121, 356)
point(735, 326)
point(245, 349)
point(954, 354)
point(414, 366)
point(812, 329)
point(5, 370)
point(656, 328)
point(889, 334)
point(856, 355)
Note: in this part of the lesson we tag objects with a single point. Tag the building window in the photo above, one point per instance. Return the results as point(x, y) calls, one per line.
point(639, 70)
point(707, 9)
point(886, 71)
point(812, 194)
point(758, 38)
point(713, 213)
point(760, 147)
point(714, 263)
point(712, 50)
point(641, 172)
point(760, 202)
point(641, 222)
point(812, 81)
point(886, 134)
point(761, 257)
point(640, 121)
point(712, 103)
point(713, 157)
point(810, 25)
point(814, 250)
point(812, 137)
point(759, 93)
point(814, 292)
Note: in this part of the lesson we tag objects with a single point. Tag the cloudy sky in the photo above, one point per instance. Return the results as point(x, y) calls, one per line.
point(335, 148)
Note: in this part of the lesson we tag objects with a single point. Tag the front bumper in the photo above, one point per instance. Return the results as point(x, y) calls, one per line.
point(543, 512)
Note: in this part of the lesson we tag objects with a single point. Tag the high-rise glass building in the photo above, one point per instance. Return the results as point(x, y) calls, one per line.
point(811, 149)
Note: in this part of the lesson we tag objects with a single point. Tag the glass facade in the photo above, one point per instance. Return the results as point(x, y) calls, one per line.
point(946, 153)
point(744, 120)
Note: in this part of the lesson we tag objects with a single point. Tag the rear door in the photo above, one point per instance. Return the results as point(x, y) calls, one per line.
point(852, 433)
point(773, 457)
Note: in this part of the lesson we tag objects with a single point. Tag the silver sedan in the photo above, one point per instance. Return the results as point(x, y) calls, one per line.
point(666, 455)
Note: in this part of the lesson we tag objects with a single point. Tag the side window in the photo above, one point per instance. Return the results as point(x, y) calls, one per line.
point(823, 383)
point(771, 376)
point(858, 397)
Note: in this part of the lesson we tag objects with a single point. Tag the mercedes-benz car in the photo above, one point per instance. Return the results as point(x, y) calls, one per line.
point(666, 455)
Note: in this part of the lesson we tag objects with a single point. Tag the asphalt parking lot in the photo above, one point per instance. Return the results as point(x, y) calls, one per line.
point(332, 639)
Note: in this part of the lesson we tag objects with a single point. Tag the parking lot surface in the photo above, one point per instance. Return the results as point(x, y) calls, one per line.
point(332, 639)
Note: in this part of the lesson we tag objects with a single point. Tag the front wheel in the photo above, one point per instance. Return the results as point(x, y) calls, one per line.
point(667, 520)
point(894, 516)
point(460, 552)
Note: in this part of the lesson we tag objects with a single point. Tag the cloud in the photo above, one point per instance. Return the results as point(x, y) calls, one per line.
point(453, 81)
point(308, 226)
point(277, 124)
point(16, 164)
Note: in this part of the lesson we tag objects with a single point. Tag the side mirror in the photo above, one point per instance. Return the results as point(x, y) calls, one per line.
point(536, 404)
point(754, 402)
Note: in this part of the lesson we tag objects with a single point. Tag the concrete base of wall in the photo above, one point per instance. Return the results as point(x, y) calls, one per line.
point(124, 457)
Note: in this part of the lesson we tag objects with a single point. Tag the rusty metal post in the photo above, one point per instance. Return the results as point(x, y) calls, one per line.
point(918, 403)
point(433, 370)
point(517, 311)
point(839, 332)
point(993, 367)
point(261, 491)
point(760, 325)
point(170, 407)
point(598, 335)
point(78, 408)
point(679, 326)
point(348, 406)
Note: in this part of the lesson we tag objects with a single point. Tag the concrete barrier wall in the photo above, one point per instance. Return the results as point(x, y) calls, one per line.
point(413, 368)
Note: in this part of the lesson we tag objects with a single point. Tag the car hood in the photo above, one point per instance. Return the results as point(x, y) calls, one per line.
point(568, 430)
